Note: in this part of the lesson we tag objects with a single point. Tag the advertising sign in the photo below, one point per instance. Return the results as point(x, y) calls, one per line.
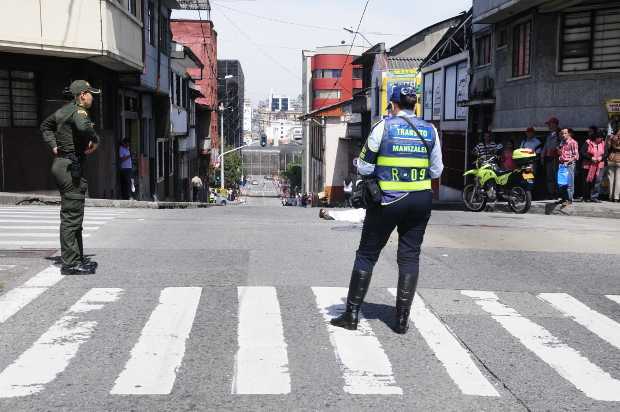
point(613, 107)
point(405, 77)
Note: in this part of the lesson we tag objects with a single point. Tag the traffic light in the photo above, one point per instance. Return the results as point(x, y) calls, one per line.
point(263, 140)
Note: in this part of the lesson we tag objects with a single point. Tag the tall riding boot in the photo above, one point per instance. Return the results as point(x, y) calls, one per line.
point(360, 280)
point(407, 283)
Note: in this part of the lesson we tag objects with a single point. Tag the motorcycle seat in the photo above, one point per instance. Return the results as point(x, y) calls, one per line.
point(499, 171)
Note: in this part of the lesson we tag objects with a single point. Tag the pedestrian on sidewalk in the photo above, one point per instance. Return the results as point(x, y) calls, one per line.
point(70, 135)
point(126, 169)
point(550, 157)
point(197, 186)
point(403, 154)
point(593, 155)
point(568, 155)
point(348, 190)
point(613, 166)
point(487, 148)
point(507, 161)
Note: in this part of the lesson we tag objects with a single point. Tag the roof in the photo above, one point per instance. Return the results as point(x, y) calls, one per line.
point(317, 112)
point(423, 31)
point(399, 63)
point(369, 55)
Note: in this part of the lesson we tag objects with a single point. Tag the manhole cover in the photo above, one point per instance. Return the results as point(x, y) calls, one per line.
point(27, 253)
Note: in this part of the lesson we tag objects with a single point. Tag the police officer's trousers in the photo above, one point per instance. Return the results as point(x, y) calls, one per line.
point(73, 194)
point(410, 215)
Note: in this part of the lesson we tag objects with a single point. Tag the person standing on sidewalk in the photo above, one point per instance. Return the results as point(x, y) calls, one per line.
point(197, 186)
point(593, 155)
point(70, 135)
point(348, 190)
point(550, 157)
point(613, 166)
point(568, 156)
point(126, 169)
point(403, 153)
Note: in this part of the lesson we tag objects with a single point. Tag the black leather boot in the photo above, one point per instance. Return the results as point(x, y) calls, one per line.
point(358, 286)
point(77, 269)
point(407, 283)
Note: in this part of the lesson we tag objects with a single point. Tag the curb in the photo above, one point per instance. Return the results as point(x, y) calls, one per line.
point(24, 199)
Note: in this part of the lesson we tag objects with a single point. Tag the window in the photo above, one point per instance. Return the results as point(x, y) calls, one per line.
point(327, 94)
point(521, 49)
point(171, 161)
point(502, 38)
point(150, 23)
point(18, 99)
point(358, 72)
point(161, 155)
point(132, 6)
point(284, 104)
point(590, 40)
point(483, 50)
point(327, 74)
point(456, 84)
point(177, 86)
point(164, 34)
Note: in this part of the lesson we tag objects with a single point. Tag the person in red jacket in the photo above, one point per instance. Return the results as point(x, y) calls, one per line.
point(593, 155)
point(568, 155)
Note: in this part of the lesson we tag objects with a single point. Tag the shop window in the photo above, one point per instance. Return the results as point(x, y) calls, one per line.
point(327, 74)
point(18, 99)
point(590, 40)
point(521, 49)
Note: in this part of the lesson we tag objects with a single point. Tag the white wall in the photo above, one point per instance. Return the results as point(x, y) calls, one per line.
point(335, 150)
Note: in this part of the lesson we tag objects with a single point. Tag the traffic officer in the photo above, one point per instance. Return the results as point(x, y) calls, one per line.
point(70, 135)
point(404, 154)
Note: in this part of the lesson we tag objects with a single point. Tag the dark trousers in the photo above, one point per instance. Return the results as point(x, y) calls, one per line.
point(126, 183)
point(72, 193)
point(410, 215)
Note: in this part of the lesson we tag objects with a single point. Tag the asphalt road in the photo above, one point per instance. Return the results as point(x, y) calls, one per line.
point(225, 309)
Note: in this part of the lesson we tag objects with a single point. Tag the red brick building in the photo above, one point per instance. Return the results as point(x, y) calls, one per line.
point(201, 38)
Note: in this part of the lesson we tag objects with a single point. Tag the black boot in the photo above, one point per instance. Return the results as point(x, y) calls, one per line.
point(407, 283)
point(77, 269)
point(358, 286)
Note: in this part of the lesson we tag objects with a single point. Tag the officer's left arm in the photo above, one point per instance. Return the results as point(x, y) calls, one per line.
point(370, 152)
point(85, 126)
point(436, 168)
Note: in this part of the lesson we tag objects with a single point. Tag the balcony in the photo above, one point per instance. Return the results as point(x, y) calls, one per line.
point(494, 11)
point(102, 31)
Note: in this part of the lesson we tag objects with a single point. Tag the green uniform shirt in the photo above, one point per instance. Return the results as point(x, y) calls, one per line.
point(70, 129)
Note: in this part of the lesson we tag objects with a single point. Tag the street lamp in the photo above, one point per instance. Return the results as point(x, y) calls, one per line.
point(221, 108)
point(353, 32)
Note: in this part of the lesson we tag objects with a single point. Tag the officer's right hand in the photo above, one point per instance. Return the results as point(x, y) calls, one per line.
point(55, 151)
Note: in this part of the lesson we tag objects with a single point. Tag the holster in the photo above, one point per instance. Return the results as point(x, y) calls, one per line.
point(75, 168)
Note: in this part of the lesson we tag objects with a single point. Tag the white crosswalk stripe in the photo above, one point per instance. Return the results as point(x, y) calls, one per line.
point(615, 298)
point(261, 363)
point(35, 226)
point(569, 363)
point(6, 267)
point(52, 352)
point(365, 366)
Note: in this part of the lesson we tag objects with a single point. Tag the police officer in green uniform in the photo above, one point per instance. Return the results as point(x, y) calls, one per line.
point(70, 135)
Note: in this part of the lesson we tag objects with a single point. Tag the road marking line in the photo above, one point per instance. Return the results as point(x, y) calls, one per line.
point(22, 209)
point(54, 221)
point(6, 267)
point(53, 351)
point(156, 357)
point(15, 299)
point(566, 361)
point(28, 243)
point(46, 235)
point(52, 227)
point(261, 362)
point(615, 298)
point(592, 320)
point(35, 216)
point(454, 357)
point(365, 366)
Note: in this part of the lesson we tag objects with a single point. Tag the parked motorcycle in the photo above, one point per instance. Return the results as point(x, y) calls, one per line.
point(492, 184)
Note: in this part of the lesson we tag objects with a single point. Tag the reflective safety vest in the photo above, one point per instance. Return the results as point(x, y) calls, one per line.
point(403, 162)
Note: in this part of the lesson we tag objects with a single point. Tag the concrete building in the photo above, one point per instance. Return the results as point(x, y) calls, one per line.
point(230, 92)
point(183, 92)
point(537, 59)
point(248, 118)
point(43, 47)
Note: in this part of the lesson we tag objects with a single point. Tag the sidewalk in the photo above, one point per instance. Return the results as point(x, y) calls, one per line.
point(7, 198)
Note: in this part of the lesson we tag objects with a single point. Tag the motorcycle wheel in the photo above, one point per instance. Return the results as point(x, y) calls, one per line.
point(473, 200)
point(520, 200)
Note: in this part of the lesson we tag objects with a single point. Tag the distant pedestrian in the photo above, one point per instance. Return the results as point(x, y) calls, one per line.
point(531, 141)
point(487, 148)
point(348, 191)
point(593, 155)
point(550, 157)
point(568, 156)
point(613, 166)
point(197, 186)
point(126, 169)
point(507, 162)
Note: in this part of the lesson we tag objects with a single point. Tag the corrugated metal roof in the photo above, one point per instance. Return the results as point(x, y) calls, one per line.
point(396, 63)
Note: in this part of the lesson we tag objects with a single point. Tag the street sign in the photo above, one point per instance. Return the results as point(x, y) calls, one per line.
point(195, 4)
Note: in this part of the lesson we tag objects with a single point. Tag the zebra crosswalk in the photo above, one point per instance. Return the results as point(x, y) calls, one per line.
point(38, 226)
point(263, 345)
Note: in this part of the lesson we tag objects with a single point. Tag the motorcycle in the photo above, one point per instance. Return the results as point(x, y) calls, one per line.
point(492, 184)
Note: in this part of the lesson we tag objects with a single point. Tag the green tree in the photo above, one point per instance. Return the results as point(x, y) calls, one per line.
point(232, 168)
point(293, 175)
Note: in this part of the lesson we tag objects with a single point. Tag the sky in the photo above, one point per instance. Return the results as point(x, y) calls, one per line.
point(267, 36)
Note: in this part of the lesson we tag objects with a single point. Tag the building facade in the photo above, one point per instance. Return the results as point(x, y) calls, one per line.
point(231, 95)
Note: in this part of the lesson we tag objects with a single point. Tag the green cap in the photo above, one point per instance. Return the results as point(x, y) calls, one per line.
point(79, 86)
